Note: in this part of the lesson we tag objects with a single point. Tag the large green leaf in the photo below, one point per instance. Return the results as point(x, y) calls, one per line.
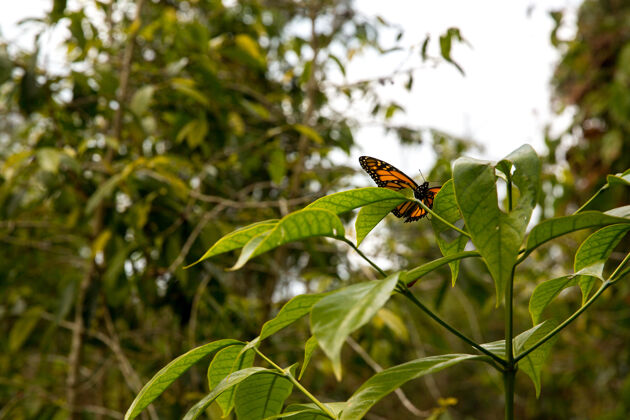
point(371, 215)
point(228, 382)
point(261, 395)
point(295, 226)
point(236, 239)
point(532, 364)
point(450, 241)
point(593, 254)
point(545, 292)
point(392, 378)
point(412, 276)
point(495, 234)
point(344, 201)
point(170, 372)
point(226, 361)
point(339, 314)
point(293, 310)
point(558, 226)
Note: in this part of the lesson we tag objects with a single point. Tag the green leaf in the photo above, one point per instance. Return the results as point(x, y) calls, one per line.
point(450, 241)
point(311, 411)
point(226, 361)
point(250, 46)
point(495, 234)
point(261, 395)
point(186, 87)
point(23, 327)
point(309, 132)
point(230, 381)
point(620, 178)
point(337, 315)
point(295, 226)
point(141, 100)
point(344, 201)
point(593, 254)
point(293, 310)
point(412, 276)
point(371, 215)
point(49, 159)
point(170, 372)
point(392, 378)
point(236, 239)
point(532, 364)
point(309, 348)
point(558, 226)
point(103, 192)
point(545, 292)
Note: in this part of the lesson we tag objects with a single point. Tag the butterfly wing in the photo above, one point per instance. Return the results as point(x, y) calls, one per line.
point(386, 175)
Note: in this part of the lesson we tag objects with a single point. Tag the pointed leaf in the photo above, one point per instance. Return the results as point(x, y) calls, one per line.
point(593, 254)
point(309, 348)
point(236, 239)
point(450, 241)
point(620, 178)
point(371, 215)
point(226, 361)
point(495, 234)
point(339, 314)
point(293, 310)
point(558, 226)
point(309, 132)
point(545, 292)
point(344, 201)
point(392, 378)
point(261, 396)
point(295, 226)
point(230, 381)
point(532, 364)
point(169, 373)
point(412, 276)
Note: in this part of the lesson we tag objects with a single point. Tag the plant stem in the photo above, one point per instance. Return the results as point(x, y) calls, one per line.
point(603, 188)
point(613, 277)
point(407, 293)
point(297, 384)
point(376, 267)
point(560, 327)
point(508, 383)
point(432, 213)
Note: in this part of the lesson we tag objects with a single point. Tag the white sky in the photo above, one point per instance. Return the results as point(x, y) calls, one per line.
point(501, 102)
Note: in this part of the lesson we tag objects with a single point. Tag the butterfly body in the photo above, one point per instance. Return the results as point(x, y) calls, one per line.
point(387, 176)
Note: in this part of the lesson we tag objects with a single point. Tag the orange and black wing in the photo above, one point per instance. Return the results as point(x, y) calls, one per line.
point(386, 175)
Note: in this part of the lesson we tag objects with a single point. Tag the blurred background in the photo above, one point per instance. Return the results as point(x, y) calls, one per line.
point(134, 134)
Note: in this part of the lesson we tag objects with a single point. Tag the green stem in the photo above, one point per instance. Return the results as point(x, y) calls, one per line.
point(508, 385)
point(432, 213)
point(613, 277)
point(560, 327)
point(376, 267)
point(603, 188)
point(297, 384)
point(407, 293)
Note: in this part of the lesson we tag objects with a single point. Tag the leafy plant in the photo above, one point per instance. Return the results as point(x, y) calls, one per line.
point(500, 238)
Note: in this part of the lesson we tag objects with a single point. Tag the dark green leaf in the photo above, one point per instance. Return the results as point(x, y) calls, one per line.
point(261, 395)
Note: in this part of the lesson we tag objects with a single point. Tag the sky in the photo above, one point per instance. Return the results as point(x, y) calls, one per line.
point(502, 101)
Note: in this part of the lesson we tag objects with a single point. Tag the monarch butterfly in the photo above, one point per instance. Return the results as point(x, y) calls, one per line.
point(387, 176)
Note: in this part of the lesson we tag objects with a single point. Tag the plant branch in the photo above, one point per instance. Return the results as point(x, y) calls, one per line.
point(441, 219)
point(602, 189)
point(616, 274)
point(407, 293)
point(297, 384)
point(362, 255)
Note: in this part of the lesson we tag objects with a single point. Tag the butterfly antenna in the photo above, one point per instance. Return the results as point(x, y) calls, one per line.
point(423, 178)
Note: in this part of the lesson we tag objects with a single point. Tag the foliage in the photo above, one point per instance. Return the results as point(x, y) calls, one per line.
point(153, 129)
point(500, 238)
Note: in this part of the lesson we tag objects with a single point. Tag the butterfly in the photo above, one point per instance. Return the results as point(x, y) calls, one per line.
point(387, 176)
